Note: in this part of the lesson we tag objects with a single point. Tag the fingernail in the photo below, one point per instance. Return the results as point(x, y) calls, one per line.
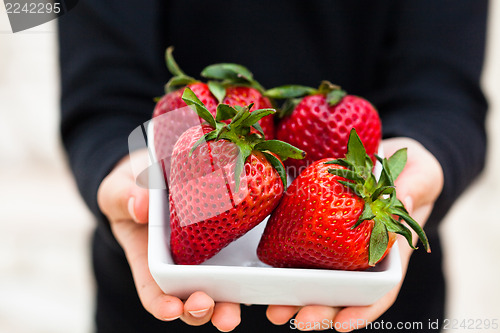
point(199, 313)
point(131, 209)
point(409, 204)
point(173, 318)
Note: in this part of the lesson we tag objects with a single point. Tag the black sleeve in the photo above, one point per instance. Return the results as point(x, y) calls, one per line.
point(111, 69)
point(430, 90)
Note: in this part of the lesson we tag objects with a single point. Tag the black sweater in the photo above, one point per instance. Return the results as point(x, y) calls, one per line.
point(418, 62)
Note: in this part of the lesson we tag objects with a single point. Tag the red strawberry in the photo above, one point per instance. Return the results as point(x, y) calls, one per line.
point(320, 122)
point(173, 100)
point(168, 125)
point(336, 215)
point(243, 96)
point(224, 181)
point(168, 128)
point(234, 84)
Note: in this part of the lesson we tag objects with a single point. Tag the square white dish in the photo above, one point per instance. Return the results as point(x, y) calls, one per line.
point(235, 274)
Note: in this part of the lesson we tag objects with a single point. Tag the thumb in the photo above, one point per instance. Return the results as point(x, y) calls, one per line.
point(421, 180)
point(138, 204)
point(120, 198)
point(408, 203)
point(419, 185)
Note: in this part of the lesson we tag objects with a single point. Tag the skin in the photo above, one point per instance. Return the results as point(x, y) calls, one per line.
point(126, 206)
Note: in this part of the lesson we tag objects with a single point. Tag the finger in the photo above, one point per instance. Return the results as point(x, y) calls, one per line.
point(408, 203)
point(281, 314)
point(138, 205)
point(421, 181)
point(414, 189)
point(114, 194)
point(120, 198)
point(133, 238)
point(226, 316)
point(198, 309)
point(354, 318)
point(357, 317)
point(122, 201)
point(315, 317)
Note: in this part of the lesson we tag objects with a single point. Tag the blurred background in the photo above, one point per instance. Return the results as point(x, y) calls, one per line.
point(45, 271)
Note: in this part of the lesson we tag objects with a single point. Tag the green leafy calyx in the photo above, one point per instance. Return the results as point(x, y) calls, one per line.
point(381, 204)
point(179, 78)
point(293, 95)
point(227, 74)
point(239, 131)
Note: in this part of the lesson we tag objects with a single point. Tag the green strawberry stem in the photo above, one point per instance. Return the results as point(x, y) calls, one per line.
point(381, 203)
point(290, 91)
point(179, 78)
point(231, 74)
point(239, 132)
point(220, 75)
point(172, 66)
point(293, 94)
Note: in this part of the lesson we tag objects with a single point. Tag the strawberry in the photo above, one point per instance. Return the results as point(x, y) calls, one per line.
point(172, 100)
point(168, 128)
point(320, 122)
point(231, 84)
point(225, 179)
point(336, 215)
point(232, 88)
point(243, 96)
point(234, 84)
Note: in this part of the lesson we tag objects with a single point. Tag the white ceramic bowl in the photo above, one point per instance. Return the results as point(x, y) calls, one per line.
point(235, 274)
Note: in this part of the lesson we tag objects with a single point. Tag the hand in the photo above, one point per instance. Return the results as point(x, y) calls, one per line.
point(126, 206)
point(418, 187)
